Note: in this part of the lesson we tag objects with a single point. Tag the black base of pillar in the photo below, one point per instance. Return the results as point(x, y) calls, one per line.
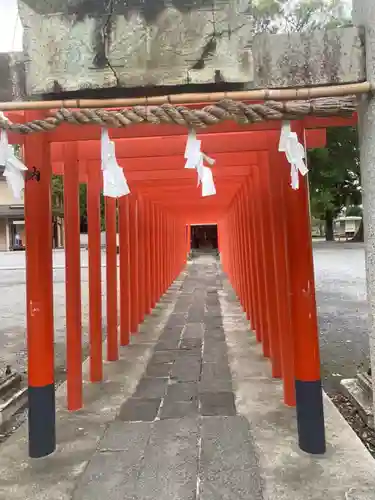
point(42, 418)
point(310, 417)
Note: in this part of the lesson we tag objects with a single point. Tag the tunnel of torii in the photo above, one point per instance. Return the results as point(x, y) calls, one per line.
point(264, 241)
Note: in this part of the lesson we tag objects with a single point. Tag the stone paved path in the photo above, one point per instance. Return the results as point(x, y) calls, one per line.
point(179, 436)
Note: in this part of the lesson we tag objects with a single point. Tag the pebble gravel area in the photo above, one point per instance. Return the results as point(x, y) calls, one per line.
point(342, 310)
point(13, 309)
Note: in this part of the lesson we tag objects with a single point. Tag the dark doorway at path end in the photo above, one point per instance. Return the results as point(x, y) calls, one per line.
point(204, 237)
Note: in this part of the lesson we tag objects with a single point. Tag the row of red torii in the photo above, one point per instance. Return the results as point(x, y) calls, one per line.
point(264, 243)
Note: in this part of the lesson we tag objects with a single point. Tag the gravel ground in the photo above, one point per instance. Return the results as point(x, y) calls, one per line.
point(13, 309)
point(354, 419)
point(342, 310)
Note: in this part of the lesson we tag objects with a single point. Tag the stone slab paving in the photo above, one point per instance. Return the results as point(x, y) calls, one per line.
point(188, 438)
point(179, 436)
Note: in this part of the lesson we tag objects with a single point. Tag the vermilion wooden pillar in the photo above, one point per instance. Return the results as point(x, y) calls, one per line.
point(228, 222)
point(176, 261)
point(270, 273)
point(111, 275)
point(154, 293)
point(249, 243)
point(141, 260)
point(158, 252)
point(124, 270)
point(245, 254)
point(259, 230)
point(164, 249)
point(148, 243)
point(166, 254)
point(257, 324)
point(233, 251)
point(224, 244)
point(220, 245)
point(309, 400)
point(240, 251)
point(72, 277)
point(94, 182)
point(280, 178)
point(237, 250)
point(39, 295)
point(176, 247)
point(172, 263)
point(134, 263)
point(188, 239)
point(226, 241)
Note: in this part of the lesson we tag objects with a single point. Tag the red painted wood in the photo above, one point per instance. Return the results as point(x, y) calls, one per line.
point(141, 259)
point(72, 278)
point(280, 181)
point(95, 288)
point(167, 162)
point(302, 285)
point(316, 138)
point(134, 263)
point(175, 145)
point(125, 299)
point(270, 273)
point(111, 275)
point(39, 292)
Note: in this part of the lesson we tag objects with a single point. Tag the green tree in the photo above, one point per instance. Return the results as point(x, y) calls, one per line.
point(57, 189)
point(354, 211)
point(335, 181)
point(83, 208)
point(58, 201)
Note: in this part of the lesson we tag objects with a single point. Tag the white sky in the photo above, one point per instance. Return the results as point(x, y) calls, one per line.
point(11, 28)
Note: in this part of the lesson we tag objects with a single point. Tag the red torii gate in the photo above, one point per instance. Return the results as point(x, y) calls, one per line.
point(264, 240)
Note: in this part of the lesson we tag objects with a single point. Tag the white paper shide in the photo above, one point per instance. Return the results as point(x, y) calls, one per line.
point(294, 152)
point(114, 180)
point(14, 168)
point(195, 159)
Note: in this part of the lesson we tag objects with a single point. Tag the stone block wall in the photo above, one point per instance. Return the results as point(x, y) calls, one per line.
point(78, 44)
point(75, 45)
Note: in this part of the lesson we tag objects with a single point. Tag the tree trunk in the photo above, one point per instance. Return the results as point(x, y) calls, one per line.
point(329, 226)
point(359, 235)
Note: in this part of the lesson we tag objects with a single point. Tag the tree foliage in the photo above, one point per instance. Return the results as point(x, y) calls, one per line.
point(335, 180)
point(335, 172)
point(275, 16)
point(57, 189)
point(58, 201)
point(83, 208)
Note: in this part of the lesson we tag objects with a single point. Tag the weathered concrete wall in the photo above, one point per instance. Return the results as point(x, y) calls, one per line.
point(364, 16)
point(312, 58)
point(103, 43)
point(90, 44)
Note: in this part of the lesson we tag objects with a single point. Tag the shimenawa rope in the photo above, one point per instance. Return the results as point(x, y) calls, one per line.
point(226, 109)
